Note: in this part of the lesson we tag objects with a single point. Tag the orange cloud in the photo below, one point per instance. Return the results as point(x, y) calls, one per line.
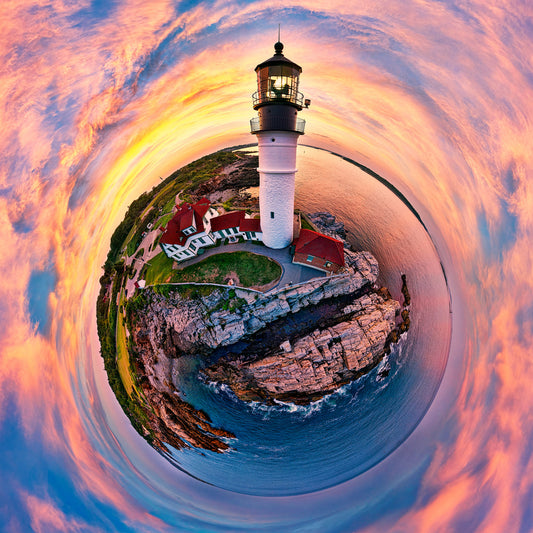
point(98, 112)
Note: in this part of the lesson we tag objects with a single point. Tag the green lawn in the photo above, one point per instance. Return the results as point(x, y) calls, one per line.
point(252, 270)
point(164, 220)
point(159, 269)
point(123, 361)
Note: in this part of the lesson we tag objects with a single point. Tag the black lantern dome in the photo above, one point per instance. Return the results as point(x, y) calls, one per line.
point(277, 98)
point(277, 81)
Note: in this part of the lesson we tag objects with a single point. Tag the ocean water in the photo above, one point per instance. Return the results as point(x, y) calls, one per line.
point(286, 449)
point(102, 100)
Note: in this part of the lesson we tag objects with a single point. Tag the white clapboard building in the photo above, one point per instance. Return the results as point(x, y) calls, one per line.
point(198, 225)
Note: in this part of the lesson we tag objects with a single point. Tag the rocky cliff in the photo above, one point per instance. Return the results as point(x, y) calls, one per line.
point(175, 324)
point(340, 327)
point(171, 420)
point(308, 367)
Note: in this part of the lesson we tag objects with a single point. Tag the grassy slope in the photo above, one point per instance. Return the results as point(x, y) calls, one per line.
point(123, 360)
point(159, 269)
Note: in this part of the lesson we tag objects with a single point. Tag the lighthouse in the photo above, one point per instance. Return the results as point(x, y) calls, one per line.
point(277, 128)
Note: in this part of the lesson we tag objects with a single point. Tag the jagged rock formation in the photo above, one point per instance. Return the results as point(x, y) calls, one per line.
point(309, 364)
point(175, 324)
point(318, 363)
point(172, 420)
point(327, 224)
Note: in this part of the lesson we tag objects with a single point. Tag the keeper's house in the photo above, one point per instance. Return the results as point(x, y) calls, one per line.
point(318, 251)
point(196, 226)
point(235, 224)
point(227, 226)
point(188, 230)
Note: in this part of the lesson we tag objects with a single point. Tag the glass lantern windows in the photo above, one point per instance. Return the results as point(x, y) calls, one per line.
point(278, 83)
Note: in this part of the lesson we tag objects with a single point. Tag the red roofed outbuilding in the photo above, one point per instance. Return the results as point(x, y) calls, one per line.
point(318, 251)
point(250, 224)
point(236, 224)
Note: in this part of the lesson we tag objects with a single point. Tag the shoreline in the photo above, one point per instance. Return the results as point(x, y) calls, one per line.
point(167, 418)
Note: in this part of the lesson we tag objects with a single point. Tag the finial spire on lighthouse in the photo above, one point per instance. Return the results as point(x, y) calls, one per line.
point(277, 127)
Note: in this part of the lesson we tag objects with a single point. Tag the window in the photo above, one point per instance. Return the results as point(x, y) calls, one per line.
point(192, 247)
point(201, 239)
point(248, 236)
point(271, 214)
point(278, 82)
point(310, 258)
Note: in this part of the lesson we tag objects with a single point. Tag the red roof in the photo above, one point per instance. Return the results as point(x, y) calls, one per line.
point(318, 245)
point(250, 224)
point(201, 207)
point(226, 221)
point(183, 219)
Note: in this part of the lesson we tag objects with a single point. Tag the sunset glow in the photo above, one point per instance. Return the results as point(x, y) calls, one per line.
point(101, 100)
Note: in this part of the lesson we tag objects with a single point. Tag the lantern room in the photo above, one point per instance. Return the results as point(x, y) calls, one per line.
point(277, 81)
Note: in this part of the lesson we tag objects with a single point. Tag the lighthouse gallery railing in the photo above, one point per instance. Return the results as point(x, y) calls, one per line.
point(274, 96)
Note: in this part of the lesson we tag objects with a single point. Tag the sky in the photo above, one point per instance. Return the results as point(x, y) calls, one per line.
point(101, 98)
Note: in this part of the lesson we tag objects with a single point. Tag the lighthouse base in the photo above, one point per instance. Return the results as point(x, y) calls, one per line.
point(277, 169)
point(276, 205)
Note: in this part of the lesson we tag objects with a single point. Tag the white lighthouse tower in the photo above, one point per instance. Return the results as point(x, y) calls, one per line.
point(277, 128)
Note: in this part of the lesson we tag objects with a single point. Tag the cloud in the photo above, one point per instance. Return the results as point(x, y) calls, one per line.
point(45, 516)
point(98, 105)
